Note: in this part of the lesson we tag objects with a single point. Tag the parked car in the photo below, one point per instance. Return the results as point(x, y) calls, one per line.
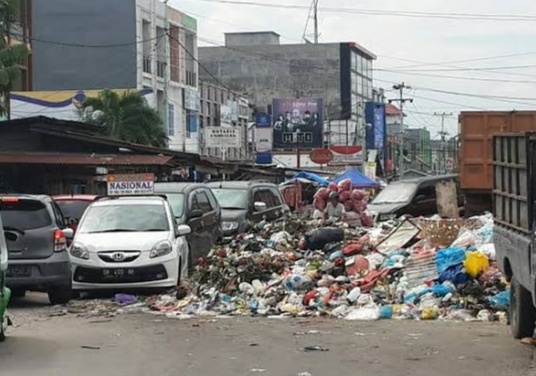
point(73, 207)
point(129, 242)
point(416, 197)
point(246, 202)
point(36, 238)
point(4, 291)
point(196, 206)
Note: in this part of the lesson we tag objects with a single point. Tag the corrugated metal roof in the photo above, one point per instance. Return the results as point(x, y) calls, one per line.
point(85, 159)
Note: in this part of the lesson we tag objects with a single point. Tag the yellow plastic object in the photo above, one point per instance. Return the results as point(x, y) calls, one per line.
point(476, 263)
point(430, 313)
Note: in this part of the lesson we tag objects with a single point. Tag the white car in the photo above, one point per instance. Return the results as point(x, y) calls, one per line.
point(129, 242)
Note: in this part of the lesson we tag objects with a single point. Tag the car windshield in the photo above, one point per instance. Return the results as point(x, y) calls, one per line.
point(231, 198)
point(396, 193)
point(176, 201)
point(24, 214)
point(124, 218)
point(73, 208)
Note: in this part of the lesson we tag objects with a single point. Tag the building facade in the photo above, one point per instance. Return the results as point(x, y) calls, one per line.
point(257, 65)
point(417, 144)
point(219, 107)
point(123, 44)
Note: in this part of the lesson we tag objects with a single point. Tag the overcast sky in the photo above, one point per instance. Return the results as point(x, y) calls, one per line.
point(408, 42)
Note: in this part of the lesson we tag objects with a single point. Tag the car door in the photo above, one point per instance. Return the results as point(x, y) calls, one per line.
point(195, 240)
point(215, 221)
point(206, 224)
point(263, 194)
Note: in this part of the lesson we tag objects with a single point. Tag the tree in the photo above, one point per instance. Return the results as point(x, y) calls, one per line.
point(11, 52)
point(126, 117)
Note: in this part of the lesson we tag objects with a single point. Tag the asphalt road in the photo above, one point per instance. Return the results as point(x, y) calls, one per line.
point(143, 344)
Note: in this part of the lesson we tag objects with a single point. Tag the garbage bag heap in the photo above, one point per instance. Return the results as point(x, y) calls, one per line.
point(352, 273)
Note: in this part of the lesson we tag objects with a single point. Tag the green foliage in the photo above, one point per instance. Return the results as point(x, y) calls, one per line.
point(10, 54)
point(126, 117)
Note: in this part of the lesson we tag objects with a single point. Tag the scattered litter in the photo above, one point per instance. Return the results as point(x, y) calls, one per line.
point(314, 348)
point(90, 347)
point(259, 370)
point(304, 374)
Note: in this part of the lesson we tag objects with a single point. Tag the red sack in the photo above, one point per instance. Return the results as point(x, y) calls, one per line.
point(359, 206)
point(332, 187)
point(322, 193)
point(344, 196)
point(319, 204)
point(348, 206)
point(358, 194)
point(345, 185)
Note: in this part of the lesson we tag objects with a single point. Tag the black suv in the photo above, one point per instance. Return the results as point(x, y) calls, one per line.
point(194, 205)
point(247, 202)
point(36, 237)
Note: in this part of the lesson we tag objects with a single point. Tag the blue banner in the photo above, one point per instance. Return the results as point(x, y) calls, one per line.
point(377, 131)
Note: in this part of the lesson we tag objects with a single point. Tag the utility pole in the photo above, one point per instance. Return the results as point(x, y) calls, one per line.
point(400, 88)
point(315, 15)
point(443, 134)
point(167, 56)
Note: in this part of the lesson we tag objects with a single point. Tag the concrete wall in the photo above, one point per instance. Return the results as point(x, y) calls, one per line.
point(82, 22)
point(277, 71)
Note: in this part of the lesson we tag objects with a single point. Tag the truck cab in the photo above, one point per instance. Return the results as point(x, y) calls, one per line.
point(514, 202)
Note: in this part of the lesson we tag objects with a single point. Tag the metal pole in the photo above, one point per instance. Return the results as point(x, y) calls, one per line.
point(316, 20)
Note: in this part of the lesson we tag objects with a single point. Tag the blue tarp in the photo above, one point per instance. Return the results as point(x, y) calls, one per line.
point(312, 177)
point(359, 180)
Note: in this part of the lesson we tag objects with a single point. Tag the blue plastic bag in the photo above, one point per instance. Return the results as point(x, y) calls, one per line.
point(386, 312)
point(449, 257)
point(455, 274)
point(500, 300)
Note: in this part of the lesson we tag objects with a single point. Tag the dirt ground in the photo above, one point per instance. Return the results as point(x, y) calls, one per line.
point(144, 344)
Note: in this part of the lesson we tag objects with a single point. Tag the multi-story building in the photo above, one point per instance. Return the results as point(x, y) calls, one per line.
point(222, 108)
point(257, 65)
point(121, 44)
point(417, 144)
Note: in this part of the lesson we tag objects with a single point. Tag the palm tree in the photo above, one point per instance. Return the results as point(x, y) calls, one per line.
point(11, 54)
point(127, 117)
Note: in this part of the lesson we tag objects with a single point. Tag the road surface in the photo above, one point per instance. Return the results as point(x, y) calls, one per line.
point(144, 344)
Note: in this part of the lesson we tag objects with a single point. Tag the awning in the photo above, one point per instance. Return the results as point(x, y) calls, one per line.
point(85, 159)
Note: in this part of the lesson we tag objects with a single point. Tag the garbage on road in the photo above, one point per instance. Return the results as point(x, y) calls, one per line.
point(402, 269)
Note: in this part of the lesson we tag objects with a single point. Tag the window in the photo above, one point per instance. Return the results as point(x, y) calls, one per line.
point(122, 218)
point(208, 109)
point(277, 196)
point(25, 214)
point(201, 107)
point(171, 120)
point(353, 63)
point(359, 67)
point(211, 198)
point(73, 208)
point(203, 203)
point(232, 199)
point(359, 85)
point(176, 201)
point(266, 196)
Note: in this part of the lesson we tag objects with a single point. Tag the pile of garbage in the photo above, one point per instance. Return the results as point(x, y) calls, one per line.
point(393, 271)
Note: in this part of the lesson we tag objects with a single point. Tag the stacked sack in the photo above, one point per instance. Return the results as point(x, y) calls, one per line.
point(353, 200)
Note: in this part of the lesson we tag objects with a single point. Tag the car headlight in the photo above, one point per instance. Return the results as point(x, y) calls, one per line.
point(161, 249)
point(79, 251)
point(229, 226)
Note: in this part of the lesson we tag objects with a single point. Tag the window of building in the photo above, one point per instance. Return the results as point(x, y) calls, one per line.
point(171, 119)
point(353, 62)
point(208, 109)
point(359, 90)
point(359, 67)
point(201, 107)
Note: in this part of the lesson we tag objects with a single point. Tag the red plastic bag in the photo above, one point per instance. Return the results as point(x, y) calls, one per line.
point(358, 194)
point(319, 204)
point(322, 193)
point(332, 187)
point(352, 248)
point(344, 196)
point(345, 185)
point(348, 206)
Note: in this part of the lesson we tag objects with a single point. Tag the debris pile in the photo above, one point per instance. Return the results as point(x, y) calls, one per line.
point(393, 271)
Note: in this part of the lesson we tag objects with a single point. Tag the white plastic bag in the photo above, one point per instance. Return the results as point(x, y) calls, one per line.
point(367, 313)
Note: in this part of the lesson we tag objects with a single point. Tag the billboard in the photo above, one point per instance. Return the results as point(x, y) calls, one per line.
point(376, 132)
point(298, 123)
point(346, 155)
point(223, 137)
point(263, 138)
point(63, 104)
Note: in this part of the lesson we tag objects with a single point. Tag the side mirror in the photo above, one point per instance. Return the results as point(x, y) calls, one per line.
point(260, 206)
point(68, 232)
point(72, 221)
point(183, 230)
point(196, 213)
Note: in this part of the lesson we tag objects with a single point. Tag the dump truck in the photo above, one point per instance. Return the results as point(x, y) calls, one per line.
point(514, 194)
point(476, 167)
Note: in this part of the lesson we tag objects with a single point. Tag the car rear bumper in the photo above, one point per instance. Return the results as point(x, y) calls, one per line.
point(44, 273)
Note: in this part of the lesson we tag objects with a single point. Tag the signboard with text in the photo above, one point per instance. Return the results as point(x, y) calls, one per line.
point(223, 137)
point(130, 184)
point(347, 155)
point(298, 123)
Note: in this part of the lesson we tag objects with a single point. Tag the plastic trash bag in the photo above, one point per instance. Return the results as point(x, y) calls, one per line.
point(476, 263)
point(500, 300)
point(455, 274)
point(449, 257)
point(466, 239)
point(367, 313)
point(489, 251)
point(318, 238)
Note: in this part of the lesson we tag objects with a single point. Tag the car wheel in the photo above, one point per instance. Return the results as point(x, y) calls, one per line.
point(18, 293)
point(522, 312)
point(60, 295)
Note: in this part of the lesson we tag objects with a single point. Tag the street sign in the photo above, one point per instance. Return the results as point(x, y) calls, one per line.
point(130, 184)
point(223, 137)
point(321, 156)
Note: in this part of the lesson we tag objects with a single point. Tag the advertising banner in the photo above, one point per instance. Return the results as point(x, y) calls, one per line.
point(370, 170)
point(263, 138)
point(223, 137)
point(192, 100)
point(298, 123)
point(346, 155)
point(376, 133)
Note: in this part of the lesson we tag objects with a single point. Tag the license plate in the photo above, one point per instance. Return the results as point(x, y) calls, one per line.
point(19, 271)
point(118, 273)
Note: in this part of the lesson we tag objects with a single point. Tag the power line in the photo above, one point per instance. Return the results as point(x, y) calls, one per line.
point(457, 77)
point(415, 14)
point(79, 45)
point(462, 69)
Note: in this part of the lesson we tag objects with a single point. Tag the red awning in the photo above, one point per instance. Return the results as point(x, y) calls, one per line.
point(85, 159)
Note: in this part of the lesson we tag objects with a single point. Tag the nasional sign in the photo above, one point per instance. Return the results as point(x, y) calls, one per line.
point(131, 184)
